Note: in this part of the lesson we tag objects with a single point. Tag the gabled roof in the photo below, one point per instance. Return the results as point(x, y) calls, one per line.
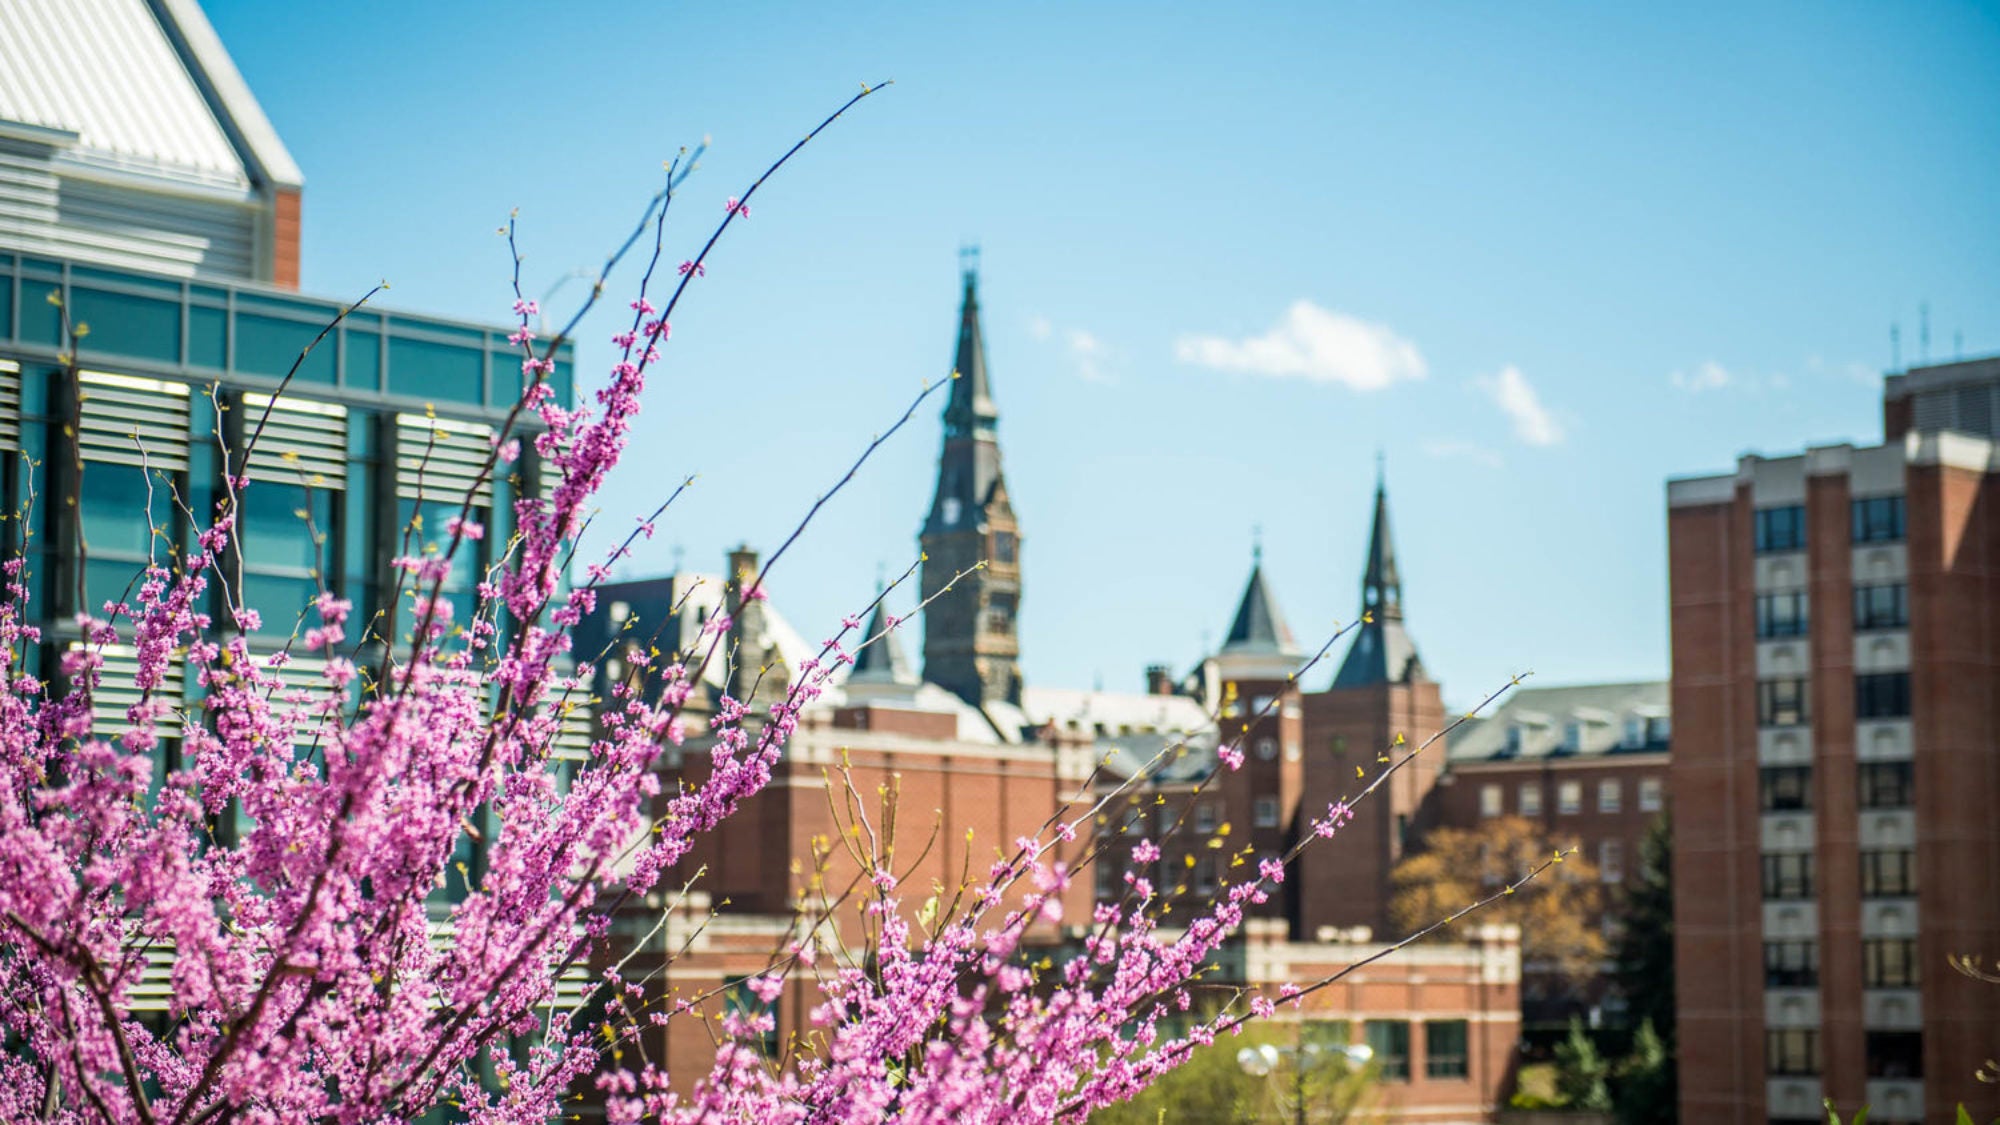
point(135, 87)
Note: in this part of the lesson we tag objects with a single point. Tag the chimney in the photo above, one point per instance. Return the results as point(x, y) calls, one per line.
point(1159, 681)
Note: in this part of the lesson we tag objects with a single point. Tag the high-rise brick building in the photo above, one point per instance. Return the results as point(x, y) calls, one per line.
point(1836, 773)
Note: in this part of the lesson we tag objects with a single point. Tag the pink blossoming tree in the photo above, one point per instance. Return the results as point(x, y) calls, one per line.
point(314, 975)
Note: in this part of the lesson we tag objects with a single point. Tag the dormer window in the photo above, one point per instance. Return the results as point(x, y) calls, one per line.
point(1514, 739)
point(1572, 737)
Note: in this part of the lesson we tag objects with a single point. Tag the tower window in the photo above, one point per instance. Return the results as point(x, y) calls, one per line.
point(1881, 607)
point(1000, 614)
point(1781, 615)
point(1887, 785)
point(1006, 547)
point(1878, 519)
point(1883, 695)
point(1781, 529)
point(1781, 703)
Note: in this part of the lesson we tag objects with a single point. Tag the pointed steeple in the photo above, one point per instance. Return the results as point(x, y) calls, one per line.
point(1258, 627)
point(970, 408)
point(969, 470)
point(883, 661)
point(1382, 652)
point(1381, 588)
point(971, 578)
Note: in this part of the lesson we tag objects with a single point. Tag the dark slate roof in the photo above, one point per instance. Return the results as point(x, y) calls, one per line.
point(1382, 651)
point(969, 467)
point(971, 395)
point(884, 660)
point(1258, 626)
point(1618, 718)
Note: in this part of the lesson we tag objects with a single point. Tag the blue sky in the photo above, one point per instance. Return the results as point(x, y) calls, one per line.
point(1542, 256)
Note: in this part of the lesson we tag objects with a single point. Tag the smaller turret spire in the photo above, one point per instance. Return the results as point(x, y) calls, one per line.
point(1258, 626)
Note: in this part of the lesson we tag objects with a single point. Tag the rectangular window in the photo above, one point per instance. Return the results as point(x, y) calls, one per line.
point(1881, 607)
point(1895, 1054)
point(1889, 963)
point(1572, 737)
point(1107, 880)
point(1610, 795)
point(1204, 818)
point(1888, 874)
point(1791, 1050)
point(1652, 794)
point(1878, 519)
point(1887, 785)
point(1791, 964)
point(1782, 703)
point(1445, 1048)
point(1611, 861)
point(1788, 875)
point(1784, 788)
point(1390, 1040)
point(1781, 615)
point(1204, 875)
point(1531, 798)
point(1265, 812)
point(739, 999)
point(1006, 548)
point(1781, 529)
point(1492, 802)
point(1569, 797)
point(1882, 695)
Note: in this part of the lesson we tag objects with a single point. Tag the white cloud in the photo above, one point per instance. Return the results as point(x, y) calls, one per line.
point(1312, 343)
point(1510, 391)
point(1707, 376)
point(1039, 327)
point(1446, 448)
point(1090, 355)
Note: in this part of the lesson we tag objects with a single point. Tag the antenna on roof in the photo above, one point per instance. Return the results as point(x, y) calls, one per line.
point(1924, 332)
point(1895, 346)
point(1257, 544)
point(679, 553)
point(881, 577)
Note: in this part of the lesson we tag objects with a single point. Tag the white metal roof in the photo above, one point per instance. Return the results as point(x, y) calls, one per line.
point(137, 87)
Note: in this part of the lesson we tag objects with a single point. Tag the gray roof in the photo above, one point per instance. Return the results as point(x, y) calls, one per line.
point(1258, 626)
point(1382, 651)
point(969, 467)
point(883, 660)
point(1603, 717)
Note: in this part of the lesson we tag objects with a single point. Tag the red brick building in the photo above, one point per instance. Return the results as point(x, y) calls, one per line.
point(965, 743)
point(1835, 775)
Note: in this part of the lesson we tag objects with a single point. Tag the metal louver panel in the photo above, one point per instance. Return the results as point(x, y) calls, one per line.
point(440, 460)
point(302, 443)
point(115, 693)
point(573, 738)
point(117, 409)
point(10, 405)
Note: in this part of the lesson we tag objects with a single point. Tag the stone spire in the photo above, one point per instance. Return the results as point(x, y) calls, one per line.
point(1382, 652)
point(970, 644)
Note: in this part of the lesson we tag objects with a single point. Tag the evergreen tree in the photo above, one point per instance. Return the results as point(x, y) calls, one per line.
point(1644, 1092)
point(1645, 950)
point(1581, 1072)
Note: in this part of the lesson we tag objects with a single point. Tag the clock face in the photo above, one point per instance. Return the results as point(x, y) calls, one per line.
point(950, 511)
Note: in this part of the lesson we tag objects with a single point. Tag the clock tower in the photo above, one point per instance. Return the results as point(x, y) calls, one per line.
point(971, 646)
